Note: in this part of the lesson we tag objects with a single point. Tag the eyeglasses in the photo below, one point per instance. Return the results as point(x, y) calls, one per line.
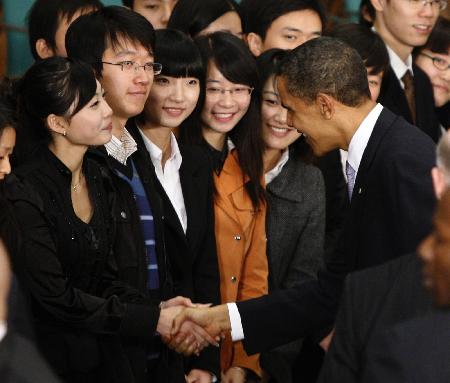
point(437, 4)
point(439, 63)
point(236, 92)
point(128, 66)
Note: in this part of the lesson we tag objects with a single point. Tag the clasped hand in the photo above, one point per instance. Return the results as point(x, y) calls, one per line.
point(191, 337)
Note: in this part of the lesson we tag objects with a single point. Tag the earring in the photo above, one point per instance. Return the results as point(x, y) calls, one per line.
point(64, 133)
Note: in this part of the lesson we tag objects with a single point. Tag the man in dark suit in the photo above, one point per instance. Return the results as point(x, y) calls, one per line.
point(392, 198)
point(406, 89)
point(381, 297)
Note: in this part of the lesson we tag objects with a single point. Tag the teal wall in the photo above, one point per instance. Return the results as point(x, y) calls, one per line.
point(19, 56)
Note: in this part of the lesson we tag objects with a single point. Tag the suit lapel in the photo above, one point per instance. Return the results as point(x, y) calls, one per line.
point(282, 185)
point(393, 93)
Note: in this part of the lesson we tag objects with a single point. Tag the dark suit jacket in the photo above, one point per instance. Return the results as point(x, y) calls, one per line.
point(392, 96)
point(390, 213)
point(373, 300)
point(414, 351)
point(20, 362)
point(191, 257)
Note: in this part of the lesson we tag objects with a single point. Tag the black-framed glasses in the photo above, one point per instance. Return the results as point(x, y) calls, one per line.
point(438, 4)
point(439, 63)
point(128, 66)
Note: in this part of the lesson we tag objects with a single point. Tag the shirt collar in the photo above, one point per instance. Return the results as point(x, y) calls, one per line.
point(361, 137)
point(273, 173)
point(122, 148)
point(398, 66)
point(156, 153)
point(3, 329)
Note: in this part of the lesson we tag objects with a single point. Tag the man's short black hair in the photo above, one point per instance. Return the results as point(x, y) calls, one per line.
point(326, 65)
point(258, 15)
point(367, 43)
point(90, 35)
point(128, 3)
point(45, 15)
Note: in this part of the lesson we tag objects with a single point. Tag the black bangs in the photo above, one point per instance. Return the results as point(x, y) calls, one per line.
point(220, 47)
point(81, 84)
point(439, 40)
point(178, 55)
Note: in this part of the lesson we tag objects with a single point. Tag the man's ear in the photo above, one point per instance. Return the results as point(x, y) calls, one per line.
point(43, 50)
point(255, 44)
point(439, 181)
point(57, 124)
point(326, 105)
point(378, 4)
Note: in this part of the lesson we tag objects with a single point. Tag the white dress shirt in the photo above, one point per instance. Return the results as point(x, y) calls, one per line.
point(121, 148)
point(356, 149)
point(170, 175)
point(273, 173)
point(398, 66)
point(3, 329)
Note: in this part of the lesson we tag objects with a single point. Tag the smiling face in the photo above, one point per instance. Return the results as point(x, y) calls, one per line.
point(126, 92)
point(435, 252)
point(91, 126)
point(156, 11)
point(440, 79)
point(276, 133)
point(171, 101)
point(229, 22)
point(7, 142)
point(292, 29)
point(221, 112)
point(403, 26)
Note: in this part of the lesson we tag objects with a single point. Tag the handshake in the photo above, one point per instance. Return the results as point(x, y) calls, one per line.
point(188, 328)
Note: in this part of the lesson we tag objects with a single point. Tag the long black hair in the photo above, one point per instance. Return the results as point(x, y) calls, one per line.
point(233, 59)
point(193, 16)
point(57, 86)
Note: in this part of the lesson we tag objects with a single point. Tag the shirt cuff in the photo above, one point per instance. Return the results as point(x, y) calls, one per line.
point(237, 331)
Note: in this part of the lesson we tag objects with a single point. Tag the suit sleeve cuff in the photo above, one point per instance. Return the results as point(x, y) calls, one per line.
point(237, 331)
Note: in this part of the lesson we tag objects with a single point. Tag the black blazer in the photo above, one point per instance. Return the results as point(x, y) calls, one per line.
point(373, 300)
point(390, 213)
point(414, 351)
point(191, 256)
point(392, 96)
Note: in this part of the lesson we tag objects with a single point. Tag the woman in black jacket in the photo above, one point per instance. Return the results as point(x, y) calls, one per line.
point(68, 211)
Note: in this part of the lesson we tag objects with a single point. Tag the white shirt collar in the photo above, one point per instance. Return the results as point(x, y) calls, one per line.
point(398, 66)
point(273, 173)
point(156, 153)
point(361, 137)
point(122, 148)
point(3, 329)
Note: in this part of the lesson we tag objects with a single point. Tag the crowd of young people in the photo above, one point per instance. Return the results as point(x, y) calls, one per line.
point(155, 171)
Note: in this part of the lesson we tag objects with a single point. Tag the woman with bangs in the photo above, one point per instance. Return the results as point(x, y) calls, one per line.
point(229, 131)
point(182, 178)
point(66, 207)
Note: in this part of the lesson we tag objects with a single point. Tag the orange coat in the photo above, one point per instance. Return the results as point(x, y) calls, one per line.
point(241, 251)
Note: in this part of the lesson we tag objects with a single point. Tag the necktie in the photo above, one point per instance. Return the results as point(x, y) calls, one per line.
point(351, 175)
point(408, 81)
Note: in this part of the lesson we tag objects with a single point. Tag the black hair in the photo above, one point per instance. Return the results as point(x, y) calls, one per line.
point(57, 86)
point(367, 43)
point(366, 13)
point(258, 15)
point(45, 16)
point(337, 70)
point(180, 57)
point(128, 3)
point(439, 40)
point(193, 16)
point(7, 104)
point(237, 65)
point(90, 35)
point(268, 65)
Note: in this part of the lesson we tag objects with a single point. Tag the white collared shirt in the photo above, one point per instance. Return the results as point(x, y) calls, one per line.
point(273, 173)
point(398, 66)
point(170, 175)
point(3, 329)
point(361, 137)
point(121, 148)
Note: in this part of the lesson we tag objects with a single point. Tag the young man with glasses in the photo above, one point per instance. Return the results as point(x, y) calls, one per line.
point(118, 43)
point(404, 25)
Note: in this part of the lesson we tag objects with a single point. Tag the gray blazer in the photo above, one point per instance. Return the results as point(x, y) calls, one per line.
point(295, 230)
